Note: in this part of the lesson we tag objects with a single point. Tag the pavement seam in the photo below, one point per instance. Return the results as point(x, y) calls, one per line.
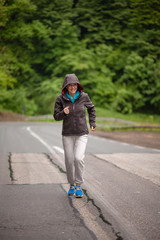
point(51, 160)
point(88, 219)
point(10, 168)
point(101, 216)
point(117, 234)
point(77, 213)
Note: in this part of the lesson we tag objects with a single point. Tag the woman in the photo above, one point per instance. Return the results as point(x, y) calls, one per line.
point(70, 107)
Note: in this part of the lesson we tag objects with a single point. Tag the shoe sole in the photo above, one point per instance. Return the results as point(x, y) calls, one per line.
point(79, 196)
point(71, 194)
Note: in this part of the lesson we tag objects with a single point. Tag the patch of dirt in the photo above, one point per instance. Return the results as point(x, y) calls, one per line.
point(144, 139)
point(8, 116)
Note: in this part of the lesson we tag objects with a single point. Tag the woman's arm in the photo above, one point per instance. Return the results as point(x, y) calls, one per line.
point(59, 113)
point(91, 112)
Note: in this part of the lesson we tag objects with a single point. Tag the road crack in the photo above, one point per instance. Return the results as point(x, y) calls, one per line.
point(101, 216)
point(10, 168)
point(117, 234)
point(51, 160)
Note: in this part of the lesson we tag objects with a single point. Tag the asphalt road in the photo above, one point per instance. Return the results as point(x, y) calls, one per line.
point(122, 188)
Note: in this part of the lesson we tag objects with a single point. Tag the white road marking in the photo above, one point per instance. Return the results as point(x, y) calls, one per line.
point(59, 149)
point(122, 143)
point(140, 147)
point(40, 140)
point(125, 144)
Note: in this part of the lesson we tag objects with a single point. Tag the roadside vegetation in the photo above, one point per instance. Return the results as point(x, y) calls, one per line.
point(112, 46)
point(106, 120)
point(133, 117)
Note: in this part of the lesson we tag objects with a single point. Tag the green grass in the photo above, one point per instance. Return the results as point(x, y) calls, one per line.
point(141, 119)
point(135, 117)
point(42, 120)
point(139, 129)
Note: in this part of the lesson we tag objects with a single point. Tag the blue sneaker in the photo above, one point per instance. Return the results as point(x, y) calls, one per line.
point(71, 191)
point(79, 192)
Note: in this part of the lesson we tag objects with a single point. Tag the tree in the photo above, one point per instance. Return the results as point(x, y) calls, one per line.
point(145, 14)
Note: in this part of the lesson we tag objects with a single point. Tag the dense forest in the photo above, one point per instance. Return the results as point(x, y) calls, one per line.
point(113, 46)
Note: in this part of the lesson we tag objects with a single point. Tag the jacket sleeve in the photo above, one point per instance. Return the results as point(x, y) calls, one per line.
point(58, 110)
point(91, 111)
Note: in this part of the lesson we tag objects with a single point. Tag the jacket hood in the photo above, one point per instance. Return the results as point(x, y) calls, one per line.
point(69, 79)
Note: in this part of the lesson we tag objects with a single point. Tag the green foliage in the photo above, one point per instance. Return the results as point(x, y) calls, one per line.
point(142, 75)
point(126, 99)
point(16, 99)
point(145, 13)
point(6, 81)
point(113, 47)
point(47, 93)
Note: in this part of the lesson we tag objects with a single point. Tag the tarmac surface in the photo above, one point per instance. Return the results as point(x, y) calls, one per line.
point(121, 200)
point(146, 139)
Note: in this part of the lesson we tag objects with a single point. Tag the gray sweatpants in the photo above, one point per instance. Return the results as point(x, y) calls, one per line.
point(74, 150)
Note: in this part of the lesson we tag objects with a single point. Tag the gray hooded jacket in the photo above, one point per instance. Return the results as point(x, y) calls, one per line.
point(75, 122)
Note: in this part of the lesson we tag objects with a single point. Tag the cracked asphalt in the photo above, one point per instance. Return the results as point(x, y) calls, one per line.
point(121, 188)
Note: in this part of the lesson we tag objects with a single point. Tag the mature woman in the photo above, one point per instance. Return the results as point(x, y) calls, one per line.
point(70, 107)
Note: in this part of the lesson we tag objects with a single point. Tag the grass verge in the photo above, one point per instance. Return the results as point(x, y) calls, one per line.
point(135, 117)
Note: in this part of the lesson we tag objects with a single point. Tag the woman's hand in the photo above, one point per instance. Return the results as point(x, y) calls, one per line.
point(66, 110)
point(93, 129)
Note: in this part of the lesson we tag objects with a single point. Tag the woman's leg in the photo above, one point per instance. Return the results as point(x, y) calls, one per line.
point(79, 153)
point(68, 145)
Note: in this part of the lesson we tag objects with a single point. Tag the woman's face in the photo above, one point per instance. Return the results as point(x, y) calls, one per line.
point(72, 88)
